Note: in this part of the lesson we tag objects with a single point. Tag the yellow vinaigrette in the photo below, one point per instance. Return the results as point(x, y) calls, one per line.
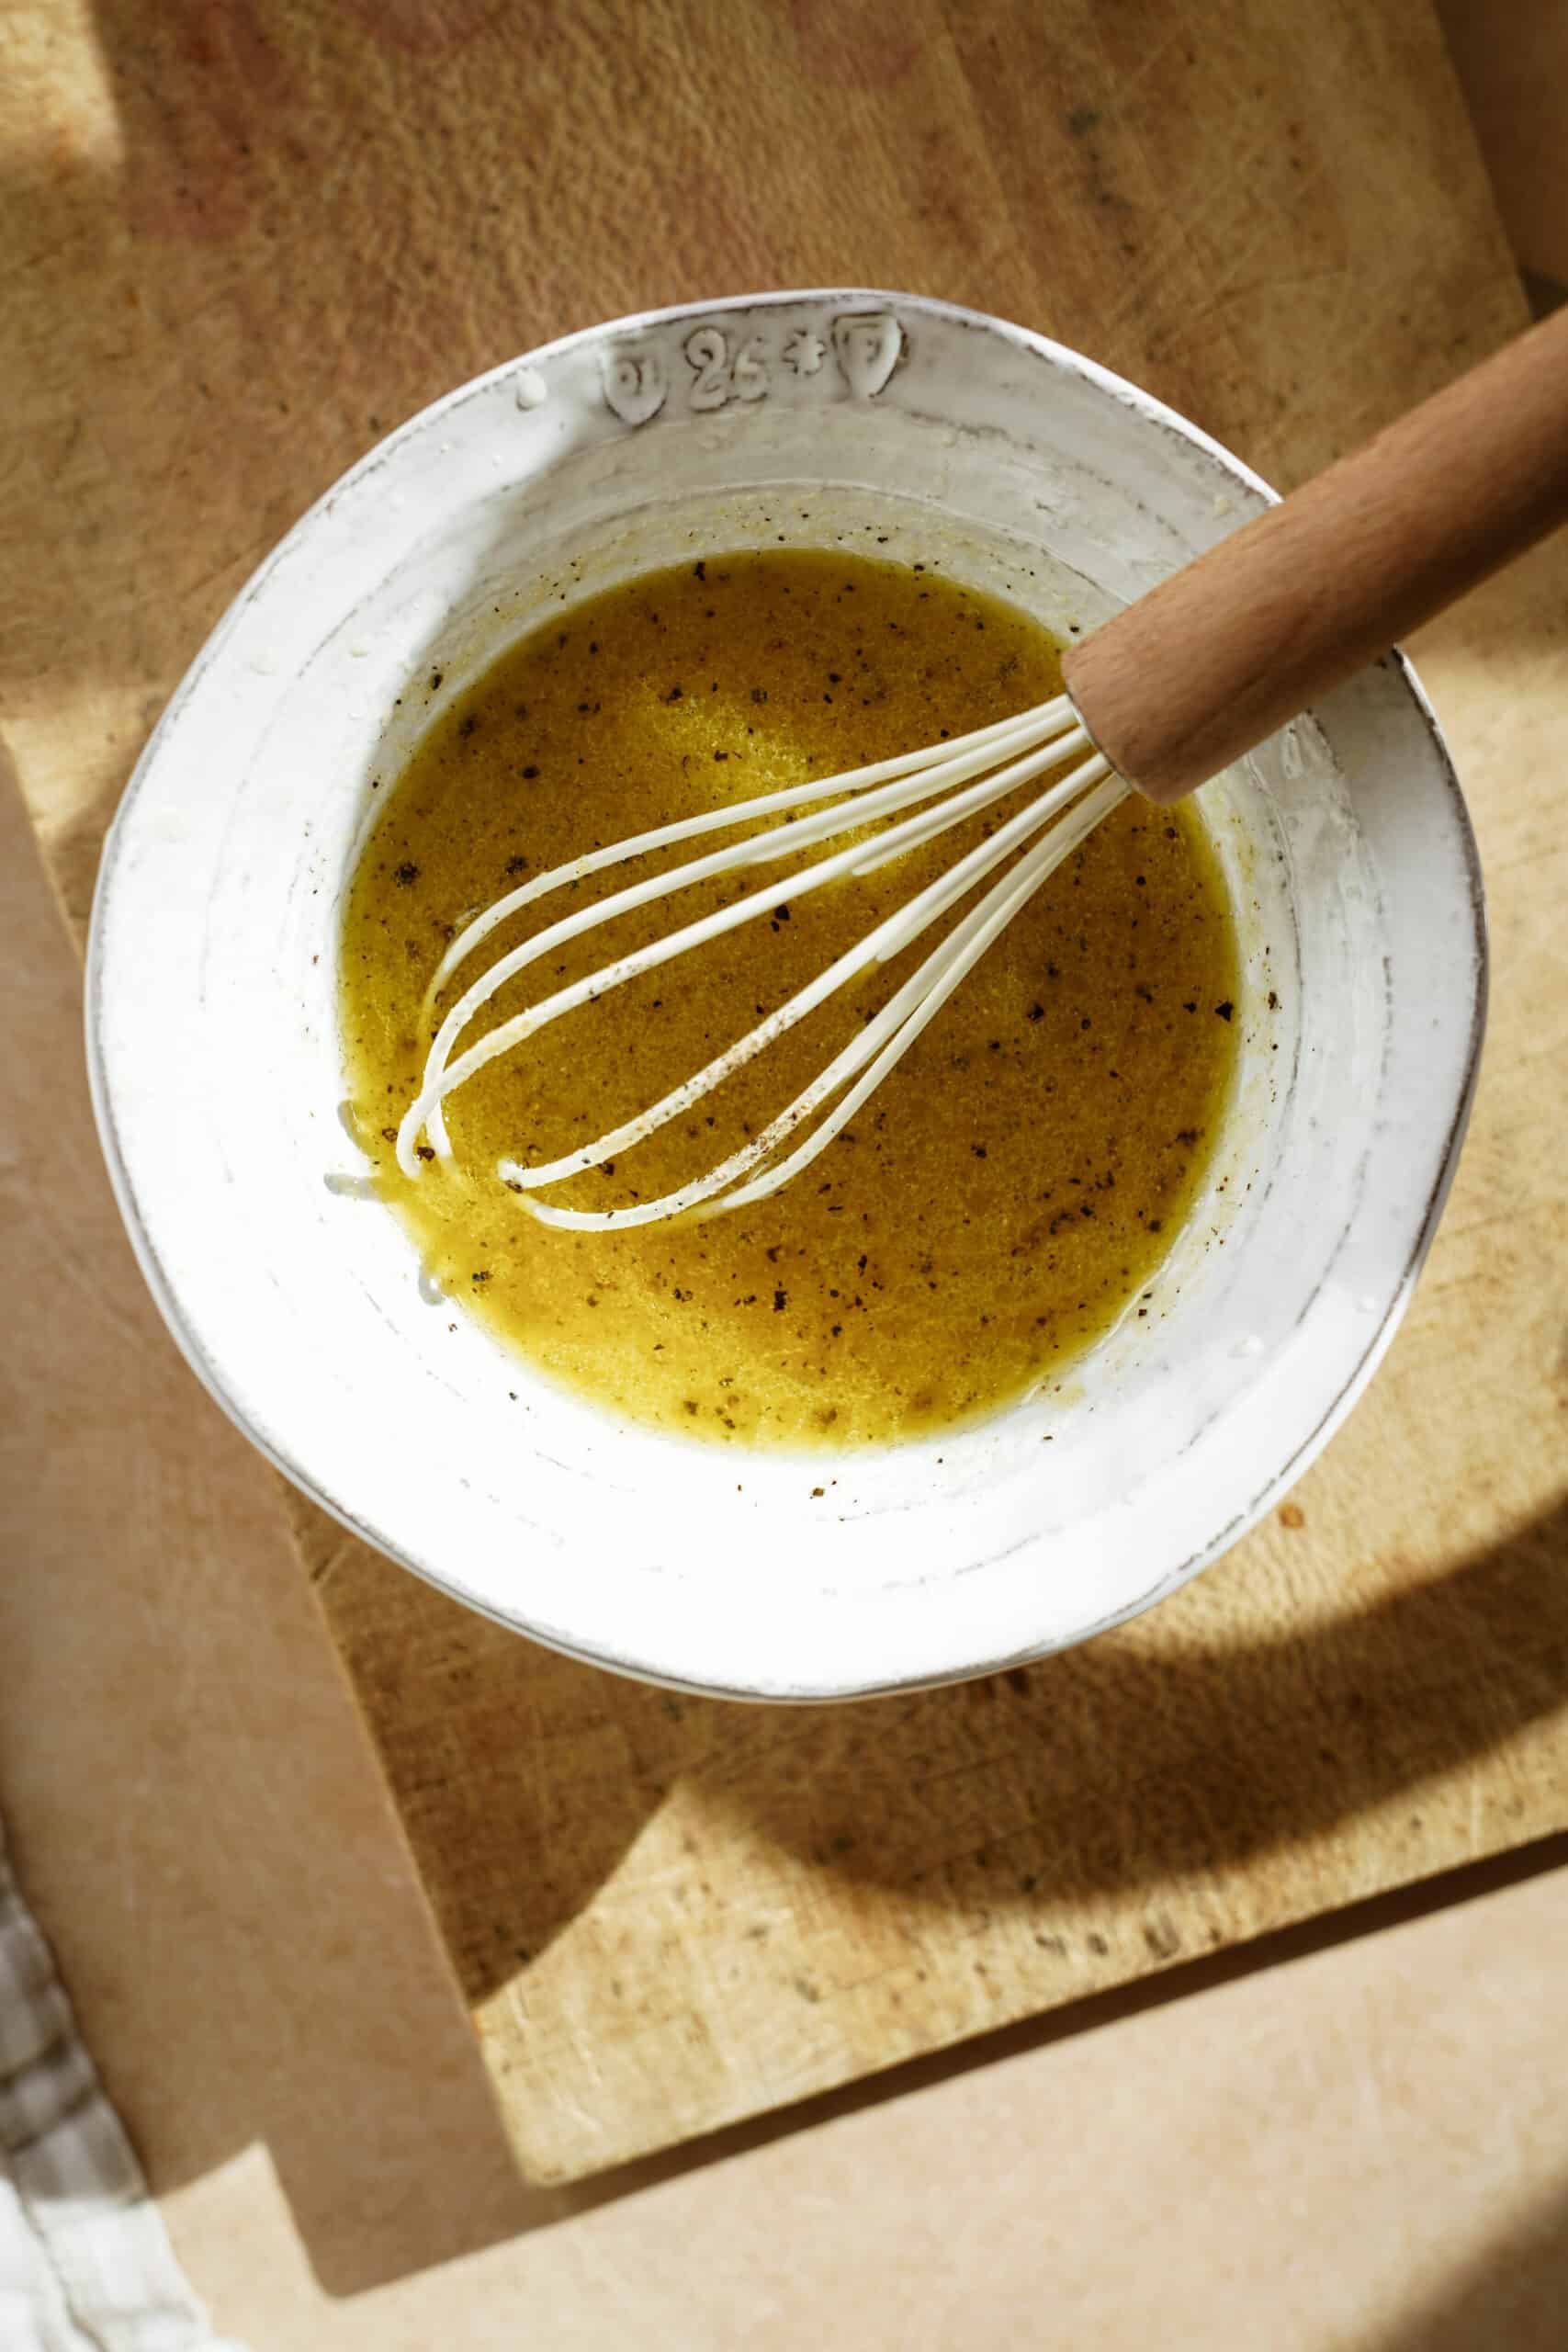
point(996, 1205)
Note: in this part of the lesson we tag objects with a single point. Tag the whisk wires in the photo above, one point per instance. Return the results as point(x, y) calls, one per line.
point(944, 785)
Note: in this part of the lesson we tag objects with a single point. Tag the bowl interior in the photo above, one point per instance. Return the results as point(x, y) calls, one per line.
point(914, 430)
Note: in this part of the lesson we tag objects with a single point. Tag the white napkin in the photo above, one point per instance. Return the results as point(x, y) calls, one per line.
point(85, 2265)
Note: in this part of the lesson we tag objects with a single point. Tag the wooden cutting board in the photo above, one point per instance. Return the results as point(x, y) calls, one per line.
point(244, 240)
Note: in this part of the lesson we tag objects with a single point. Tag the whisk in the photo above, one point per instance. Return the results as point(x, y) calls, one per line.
point(1158, 700)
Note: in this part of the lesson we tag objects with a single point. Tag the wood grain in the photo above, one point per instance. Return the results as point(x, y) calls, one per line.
point(243, 241)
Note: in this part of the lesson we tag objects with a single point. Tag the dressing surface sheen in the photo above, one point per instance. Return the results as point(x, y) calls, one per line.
point(1008, 1193)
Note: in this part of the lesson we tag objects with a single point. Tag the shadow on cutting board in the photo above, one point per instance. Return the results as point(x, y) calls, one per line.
point(1132, 1762)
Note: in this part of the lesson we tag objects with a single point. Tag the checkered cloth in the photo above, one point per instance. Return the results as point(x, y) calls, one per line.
point(85, 2263)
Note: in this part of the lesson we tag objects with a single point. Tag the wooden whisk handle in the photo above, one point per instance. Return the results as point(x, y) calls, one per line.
point(1204, 666)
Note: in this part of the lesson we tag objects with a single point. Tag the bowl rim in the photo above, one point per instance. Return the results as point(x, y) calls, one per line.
point(829, 1687)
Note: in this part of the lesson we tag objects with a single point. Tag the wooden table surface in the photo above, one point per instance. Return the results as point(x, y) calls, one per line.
point(252, 237)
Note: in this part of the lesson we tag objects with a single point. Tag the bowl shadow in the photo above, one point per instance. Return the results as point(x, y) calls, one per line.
point(1131, 1762)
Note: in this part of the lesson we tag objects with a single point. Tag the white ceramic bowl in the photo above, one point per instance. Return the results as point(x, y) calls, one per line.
point(216, 1072)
